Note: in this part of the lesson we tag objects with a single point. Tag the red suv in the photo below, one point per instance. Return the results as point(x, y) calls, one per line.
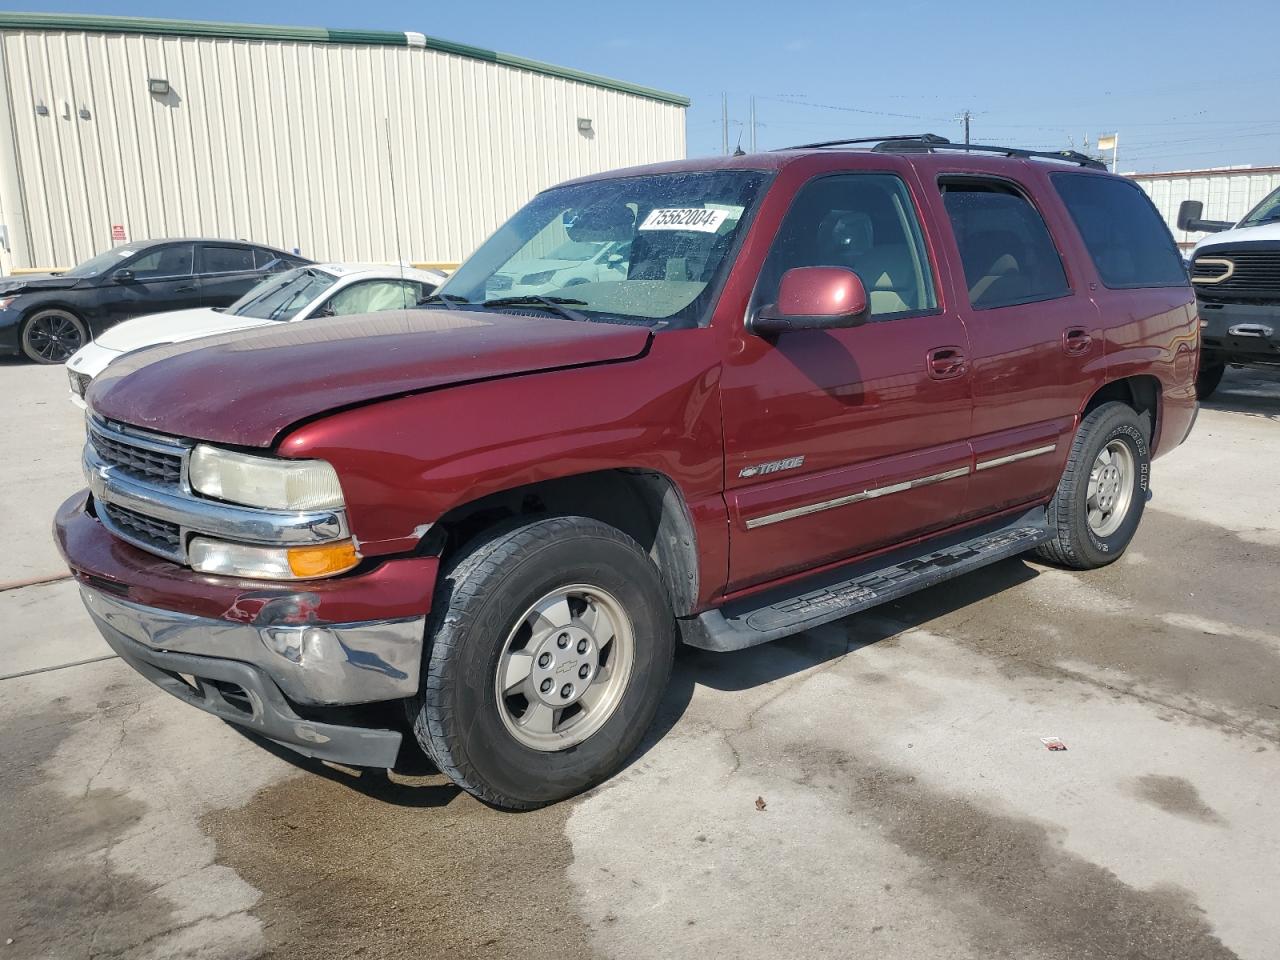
point(801, 384)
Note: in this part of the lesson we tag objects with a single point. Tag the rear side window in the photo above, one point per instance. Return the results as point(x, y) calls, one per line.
point(1005, 247)
point(1129, 243)
point(226, 259)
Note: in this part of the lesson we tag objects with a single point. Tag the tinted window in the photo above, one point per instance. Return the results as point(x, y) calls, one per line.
point(861, 221)
point(263, 258)
point(1129, 243)
point(1005, 247)
point(226, 259)
point(171, 260)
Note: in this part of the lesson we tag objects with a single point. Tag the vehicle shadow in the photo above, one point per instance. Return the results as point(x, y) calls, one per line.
point(415, 782)
point(1255, 393)
point(756, 666)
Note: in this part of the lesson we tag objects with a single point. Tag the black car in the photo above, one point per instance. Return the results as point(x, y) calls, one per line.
point(49, 316)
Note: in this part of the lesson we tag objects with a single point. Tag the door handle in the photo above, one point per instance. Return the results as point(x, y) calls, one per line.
point(946, 362)
point(185, 288)
point(1076, 341)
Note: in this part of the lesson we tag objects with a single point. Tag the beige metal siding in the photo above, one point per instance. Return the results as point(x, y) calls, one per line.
point(1226, 194)
point(285, 143)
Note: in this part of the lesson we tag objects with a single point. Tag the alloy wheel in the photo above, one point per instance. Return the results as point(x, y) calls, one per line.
point(564, 667)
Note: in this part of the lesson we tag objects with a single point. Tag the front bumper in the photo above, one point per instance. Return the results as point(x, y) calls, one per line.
point(293, 649)
point(237, 692)
point(1240, 332)
point(312, 663)
point(10, 342)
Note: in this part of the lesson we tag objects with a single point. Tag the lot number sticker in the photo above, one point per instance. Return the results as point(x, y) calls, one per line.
point(684, 218)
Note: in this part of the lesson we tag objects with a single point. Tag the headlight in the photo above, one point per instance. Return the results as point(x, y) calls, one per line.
point(543, 277)
point(5, 302)
point(264, 482)
point(271, 563)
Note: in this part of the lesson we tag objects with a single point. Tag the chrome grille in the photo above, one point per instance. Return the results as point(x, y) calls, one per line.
point(1239, 274)
point(79, 382)
point(146, 460)
point(156, 535)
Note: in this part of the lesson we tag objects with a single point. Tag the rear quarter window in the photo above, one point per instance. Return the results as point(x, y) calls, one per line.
point(1128, 241)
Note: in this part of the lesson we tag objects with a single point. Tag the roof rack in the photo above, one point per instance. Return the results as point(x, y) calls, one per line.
point(932, 143)
point(903, 137)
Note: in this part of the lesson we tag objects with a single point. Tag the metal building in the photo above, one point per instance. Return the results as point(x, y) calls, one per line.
point(1227, 194)
point(347, 145)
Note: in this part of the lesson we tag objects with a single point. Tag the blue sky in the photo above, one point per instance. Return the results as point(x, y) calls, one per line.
point(1182, 91)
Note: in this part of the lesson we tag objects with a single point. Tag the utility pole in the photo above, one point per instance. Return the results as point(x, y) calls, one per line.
point(965, 118)
point(753, 123)
point(724, 124)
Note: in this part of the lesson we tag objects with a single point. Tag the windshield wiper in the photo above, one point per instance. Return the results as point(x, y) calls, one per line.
point(557, 305)
point(450, 300)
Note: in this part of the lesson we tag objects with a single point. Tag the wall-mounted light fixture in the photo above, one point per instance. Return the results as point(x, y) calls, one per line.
point(42, 110)
point(158, 86)
point(584, 125)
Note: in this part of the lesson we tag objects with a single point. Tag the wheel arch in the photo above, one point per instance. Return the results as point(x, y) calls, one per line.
point(1141, 392)
point(646, 505)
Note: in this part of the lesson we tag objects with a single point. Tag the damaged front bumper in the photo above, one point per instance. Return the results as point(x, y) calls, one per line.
point(271, 658)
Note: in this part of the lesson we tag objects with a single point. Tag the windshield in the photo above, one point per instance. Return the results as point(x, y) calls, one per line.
point(1268, 211)
point(102, 262)
point(282, 296)
point(664, 241)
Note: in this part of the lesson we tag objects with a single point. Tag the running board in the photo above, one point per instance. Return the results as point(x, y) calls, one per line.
point(837, 593)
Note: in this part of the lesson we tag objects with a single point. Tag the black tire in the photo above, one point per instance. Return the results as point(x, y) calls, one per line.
point(53, 335)
point(479, 600)
point(1208, 379)
point(1075, 544)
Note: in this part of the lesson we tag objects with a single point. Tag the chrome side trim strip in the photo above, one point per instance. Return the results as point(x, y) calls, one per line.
point(1015, 457)
point(871, 494)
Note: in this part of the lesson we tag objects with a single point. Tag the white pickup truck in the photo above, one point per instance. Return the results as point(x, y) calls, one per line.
point(1236, 272)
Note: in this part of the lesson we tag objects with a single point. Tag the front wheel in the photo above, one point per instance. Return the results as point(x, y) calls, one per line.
point(1100, 498)
point(549, 650)
point(52, 336)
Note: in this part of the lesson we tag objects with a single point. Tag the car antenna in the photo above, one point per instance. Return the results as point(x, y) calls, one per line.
point(395, 206)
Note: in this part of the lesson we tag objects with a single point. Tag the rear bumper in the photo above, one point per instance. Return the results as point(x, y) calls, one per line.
point(242, 694)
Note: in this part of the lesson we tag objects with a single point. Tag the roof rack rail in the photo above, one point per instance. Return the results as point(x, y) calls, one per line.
point(922, 137)
point(931, 143)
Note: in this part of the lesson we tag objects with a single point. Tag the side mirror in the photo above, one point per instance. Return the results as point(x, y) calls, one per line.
point(1189, 212)
point(123, 276)
point(815, 298)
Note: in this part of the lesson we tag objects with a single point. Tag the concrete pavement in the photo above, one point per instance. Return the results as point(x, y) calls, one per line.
point(909, 807)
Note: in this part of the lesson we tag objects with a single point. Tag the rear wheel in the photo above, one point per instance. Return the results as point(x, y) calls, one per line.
point(550, 647)
point(1208, 379)
point(1100, 498)
point(52, 336)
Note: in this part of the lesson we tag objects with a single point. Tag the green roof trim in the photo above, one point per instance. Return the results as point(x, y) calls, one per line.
point(258, 31)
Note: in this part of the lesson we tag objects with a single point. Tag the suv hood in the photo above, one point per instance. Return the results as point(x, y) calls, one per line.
point(245, 388)
point(1265, 231)
point(173, 327)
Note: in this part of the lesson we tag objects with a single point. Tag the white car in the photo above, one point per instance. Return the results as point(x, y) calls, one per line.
point(572, 262)
point(316, 290)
